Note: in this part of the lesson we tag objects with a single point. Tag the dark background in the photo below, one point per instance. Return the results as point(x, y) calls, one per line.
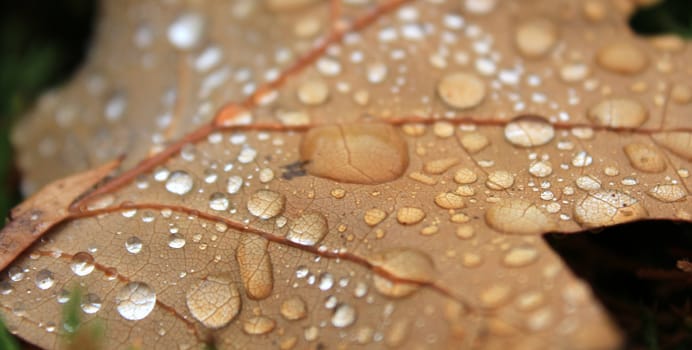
point(632, 268)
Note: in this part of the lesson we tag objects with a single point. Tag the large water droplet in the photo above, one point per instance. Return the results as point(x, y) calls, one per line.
point(645, 158)
point(266, 204)
point(529, 131)
point(133, 245)
point(607, 207)
point(347, 153)
point(309, 229)
point(82, 264)
point(668, 193)
point(622, 57)
point(618, 113)
point(517, 216)
point(135, 301)
point(218, 201)
point(213, 301)
point(255, 266)
point(179, 183)
point(405, 264)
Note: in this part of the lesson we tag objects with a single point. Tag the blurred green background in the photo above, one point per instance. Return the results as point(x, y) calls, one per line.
point(42, 42)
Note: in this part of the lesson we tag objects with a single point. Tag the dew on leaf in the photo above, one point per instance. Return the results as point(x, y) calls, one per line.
point(344, 316)
point(668, 193)
point(186, 31)
point(409, 215)
point(541, 168)
point(439, 166)
point(346, 152)
point(465, 176)
point(535, 38)
point(608, 207)
point(82, 264)
point(16, 273)
point(135, 301)
point(213, 301)
point(678, 142)
point(449, 200)
point(218, 201)
point(255, 266)
point(374, 216)
point(499, 180)
point(133, 245)
point(308, 229)
point(461, 90)
point(495, 296)
point(313, 92)
point(44, 279)
point(520, 256)
point(622, 57)
point(588, 183)
point(474, 142)
point(176, 241)
point(529, 131)
point(179, 182)
point(258, 325)
point(618, 113)
point(266, 204)
point(293, 308)
point(326, 281)
point(234, 184)
point(406, 264)
point(517, 216)
point(91, 303)
point(645, 158)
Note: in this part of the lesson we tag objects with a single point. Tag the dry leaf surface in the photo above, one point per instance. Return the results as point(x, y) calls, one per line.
point(360, 174)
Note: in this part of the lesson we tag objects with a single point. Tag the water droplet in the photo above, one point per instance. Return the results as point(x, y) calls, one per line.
point(259, 325)
point(377, 72)
point(266, 204)
point(309, 229)
point(344, 316)
point(520, 256)
point(536, 37)
point(44, 279)
point(474, 142)
point(495, 296)
point(461, 90)
point(588, 183)
point(234, 184)
point(668, 193)
point(618, 113)
point(213, 301)
point(218, 201)
point(607, 207)
point(517, 216)
point(326, 281)
point(439, 166)
point(465, 176)
point(499, 180)
point(255, 266)
point(176, 241)
point(582, 159)
point(405, 264)
point(16, 273)
point(186, 31)
point(91, 303)
point(678, 142)
point(622, 57)
point(313, 92)
point(346, 153)
point(179, 183)
point(541, 168)
point(135, 301)
point(529, 131)
point(133, 245)
point(449, 200)
point(409, 215)
point(374, 216)
point(82, 264)
point(266, 175)
point(645, 158)
point(294, 308)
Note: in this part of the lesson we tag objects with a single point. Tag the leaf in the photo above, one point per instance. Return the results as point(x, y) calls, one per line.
point(373, 173)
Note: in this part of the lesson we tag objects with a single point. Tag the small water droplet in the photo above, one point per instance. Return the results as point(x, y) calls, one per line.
point(520, 256)
point(135, 301)
point(461, 90)
point(313, 92)
point(406, 264)
point(176, 241)
point(409, 215)
point(133, 245)
point(618, 113)
point(258, 325)
point(82, 264)
point(16, 273)
point(91, 303)
point(179, 183)
point(186, 31)
point(218, 201)
point(622, 57)
point(645, 158)
point(536, 37)
point(516, 216)
point(326, 281)
point(344, 316)
point(44, 279)
point(529, 131)
point(668, 193)
point(499, 180)
point(294, 308)
point(308, 230)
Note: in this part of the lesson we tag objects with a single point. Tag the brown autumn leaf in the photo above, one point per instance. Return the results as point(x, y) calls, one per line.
point(307, 173)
